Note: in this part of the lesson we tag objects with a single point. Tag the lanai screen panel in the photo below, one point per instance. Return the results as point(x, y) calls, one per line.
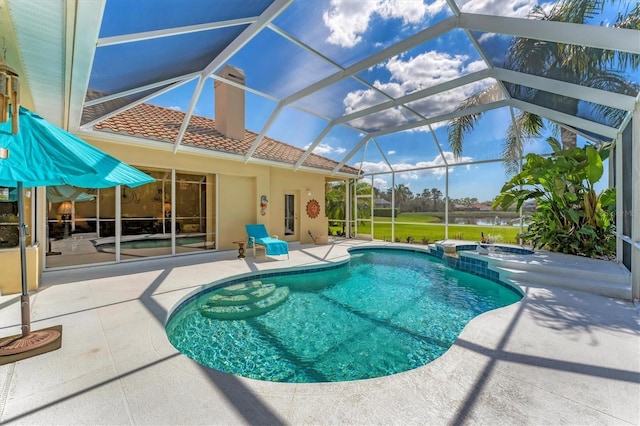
point(348, 32)
point(438, 60)
point(129, 65)
point(448, 101)
point(577, 66)
point(127, 17)
point(180, 97)
point(101, 108)
point(345, 97)
point(277, 67)
point(302, 134)
point(339, 142)
point(378, 67)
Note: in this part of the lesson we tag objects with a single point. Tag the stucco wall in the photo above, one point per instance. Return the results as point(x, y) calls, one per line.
point(236, 208)
point(285, 181)
point(10, 280)
point(238, 201)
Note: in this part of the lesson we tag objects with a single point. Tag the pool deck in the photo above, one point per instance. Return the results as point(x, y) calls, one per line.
point(560, 356)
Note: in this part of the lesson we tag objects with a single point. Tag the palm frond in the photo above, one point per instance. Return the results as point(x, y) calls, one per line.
point(460, 126)
point(629, 21)
point(613, 82)
point(573, 63)
point(512, 150)
point(575, 11)
point(525, 129)
point(531, 125)
point(570, 62)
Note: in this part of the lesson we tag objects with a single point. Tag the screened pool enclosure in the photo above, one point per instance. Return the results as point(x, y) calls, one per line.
point(378, 86)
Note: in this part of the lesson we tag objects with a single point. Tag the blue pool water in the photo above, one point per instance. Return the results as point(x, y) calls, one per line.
point(384, 312)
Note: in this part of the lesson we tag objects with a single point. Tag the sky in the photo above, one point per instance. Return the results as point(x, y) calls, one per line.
point(343, 32)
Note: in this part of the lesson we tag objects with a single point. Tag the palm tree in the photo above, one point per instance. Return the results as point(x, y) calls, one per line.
point(586, 66)
point(335, 201)
point(403, 194)
point(424, 198)
point(436, 194)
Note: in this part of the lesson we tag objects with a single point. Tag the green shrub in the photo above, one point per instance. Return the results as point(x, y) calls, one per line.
point(385, 212)
point(570, 217)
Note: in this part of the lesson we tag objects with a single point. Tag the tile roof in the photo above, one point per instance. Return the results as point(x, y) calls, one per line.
point(163, 124)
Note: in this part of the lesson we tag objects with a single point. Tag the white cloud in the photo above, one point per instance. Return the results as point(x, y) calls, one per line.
point(509, 8)
point(175, 108)
point(382, 167)
point(348, 20)
point(425, 70)
point(512, 8)
point(326, 149)
point(380, 183)
point(369, 167)
point(391, 152)
point(409, 74)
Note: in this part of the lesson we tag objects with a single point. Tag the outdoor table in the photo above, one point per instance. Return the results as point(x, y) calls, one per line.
point(240, 248)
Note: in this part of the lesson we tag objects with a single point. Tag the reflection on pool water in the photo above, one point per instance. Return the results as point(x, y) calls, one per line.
point(155, 242)
point(383, 312)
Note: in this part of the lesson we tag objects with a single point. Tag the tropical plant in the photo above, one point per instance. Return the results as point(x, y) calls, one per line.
point(402, 195)
point(571, 217)
point(335, 201)
point(586, 66)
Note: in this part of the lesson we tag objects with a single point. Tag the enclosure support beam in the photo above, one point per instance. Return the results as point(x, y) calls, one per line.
point(635, 213)
point(615, 181)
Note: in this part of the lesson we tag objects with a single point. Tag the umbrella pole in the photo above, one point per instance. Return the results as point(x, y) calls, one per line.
point(22, 230)
point(30, 343)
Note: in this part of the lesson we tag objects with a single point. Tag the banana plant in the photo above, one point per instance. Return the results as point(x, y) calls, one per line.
point(571, 217)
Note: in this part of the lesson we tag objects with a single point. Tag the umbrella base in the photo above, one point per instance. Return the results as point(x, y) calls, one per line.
point(15, 348)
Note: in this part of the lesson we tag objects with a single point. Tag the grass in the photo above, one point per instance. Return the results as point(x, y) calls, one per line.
point(426, 228)
point(412, 217)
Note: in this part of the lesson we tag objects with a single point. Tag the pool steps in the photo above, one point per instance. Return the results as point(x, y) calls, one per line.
point(244, 300)
point(240, 288)
point(246, 297)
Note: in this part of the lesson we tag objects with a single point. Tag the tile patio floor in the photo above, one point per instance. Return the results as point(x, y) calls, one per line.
point(557, 357)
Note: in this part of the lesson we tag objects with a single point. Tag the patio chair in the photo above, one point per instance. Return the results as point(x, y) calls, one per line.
point(258, 235)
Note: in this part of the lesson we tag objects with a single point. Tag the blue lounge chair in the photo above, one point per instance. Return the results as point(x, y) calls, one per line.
point(258, 235)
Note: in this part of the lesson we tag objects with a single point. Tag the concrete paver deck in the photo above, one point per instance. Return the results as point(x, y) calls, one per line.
point(559, 356)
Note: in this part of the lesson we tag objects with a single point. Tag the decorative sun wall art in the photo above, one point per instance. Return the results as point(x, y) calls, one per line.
point(313, 209)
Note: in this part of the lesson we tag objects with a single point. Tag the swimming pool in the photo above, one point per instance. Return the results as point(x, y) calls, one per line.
point(152, 242)
point(383, 312)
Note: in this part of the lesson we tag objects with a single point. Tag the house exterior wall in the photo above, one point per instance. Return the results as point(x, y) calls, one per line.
point(240, 187)
point(238, 201)
point(10, 282)
point(236, 207)
point(299, 183)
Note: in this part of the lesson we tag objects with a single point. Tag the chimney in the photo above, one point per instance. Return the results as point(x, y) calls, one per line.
point(229, 107)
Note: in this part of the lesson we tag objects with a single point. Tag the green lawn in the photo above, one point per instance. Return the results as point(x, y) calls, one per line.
point(426, 227)
point(412, 217)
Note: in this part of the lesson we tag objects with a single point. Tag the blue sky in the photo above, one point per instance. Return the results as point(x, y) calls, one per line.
point(346, 32)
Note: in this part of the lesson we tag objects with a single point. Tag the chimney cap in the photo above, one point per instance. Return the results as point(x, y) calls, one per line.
point(232, 73)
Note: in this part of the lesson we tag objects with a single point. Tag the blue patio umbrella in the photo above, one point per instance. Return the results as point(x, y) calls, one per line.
point(41, 154)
